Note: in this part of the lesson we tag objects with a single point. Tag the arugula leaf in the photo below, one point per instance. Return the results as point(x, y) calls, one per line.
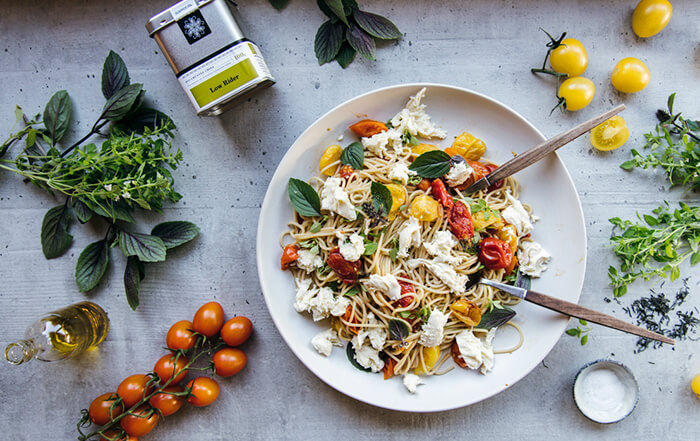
point(432, 164)
point(91, 266)
point(144, 246)
point(381, 198)
point(133, 275)
point(304, 198)
point(399, 329)
point(354, 156)
point(175, 233)
point(57, 115)
point(55, 239)
point(115, 75)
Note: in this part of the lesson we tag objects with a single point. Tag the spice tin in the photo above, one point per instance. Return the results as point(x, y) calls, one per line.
point(212, 59)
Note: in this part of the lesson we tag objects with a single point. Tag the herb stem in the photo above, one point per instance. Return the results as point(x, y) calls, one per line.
point(95, 129)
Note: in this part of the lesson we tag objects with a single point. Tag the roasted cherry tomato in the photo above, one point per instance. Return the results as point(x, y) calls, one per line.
point(329, 156)
point(495, 254)
point(610, 134)
point(346, 271)
point(350, 317)
point(479, 171)
point(496, 185)
point(133, 389)
point(229, 361)
point(166, 402)
point(419, 149)
point(440, 193)
point(368, 127)
point(461, 221)
point(457, 356)
point(236, 331)
point(388, 368)
point(630, 75)
point(114, 435)
point(651, 17)
point(103, 408)
point(577, 92)
point(424, 208)
point(398, 199)
point(205, 391)
point(569, 58)
point(166, 367)
point(407, 291)
point(208, 319)
point(424, 184)
point(346, 171)
point(466, 311)
point(289, 255)
point(180, 336)
point(141, 423)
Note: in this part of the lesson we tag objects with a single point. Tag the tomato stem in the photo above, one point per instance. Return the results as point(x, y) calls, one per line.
point(549, 72)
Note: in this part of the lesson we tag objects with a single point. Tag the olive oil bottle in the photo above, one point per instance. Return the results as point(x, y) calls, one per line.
point(61, 334)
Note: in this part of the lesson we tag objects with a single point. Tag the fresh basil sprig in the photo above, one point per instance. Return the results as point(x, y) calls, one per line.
point(399, 329)
point(354, 156)
point(303, 197)
point(432, 164)
point(381, 198)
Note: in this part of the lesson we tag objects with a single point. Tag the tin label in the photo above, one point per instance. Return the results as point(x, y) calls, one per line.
point(182, 8)
point(194, 27)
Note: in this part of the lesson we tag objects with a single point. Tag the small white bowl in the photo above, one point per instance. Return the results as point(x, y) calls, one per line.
point(605, 391)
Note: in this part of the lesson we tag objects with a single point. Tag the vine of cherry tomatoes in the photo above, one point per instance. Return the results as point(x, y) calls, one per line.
point(141, 400)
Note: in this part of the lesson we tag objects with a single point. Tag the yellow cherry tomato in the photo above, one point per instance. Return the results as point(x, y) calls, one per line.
point(330, 155)
point(509, 235)
point(430, 357)
point(695, 385)
point(578, 92)
point(610, 134)
point(483, 220)
point(630, 75)
point(467, 146)
point(398, 197)
point(651, 17)
point(569, 58)
point(422, 148)
point(424, 208)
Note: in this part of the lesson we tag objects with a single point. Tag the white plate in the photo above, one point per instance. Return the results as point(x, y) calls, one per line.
point(546, 186)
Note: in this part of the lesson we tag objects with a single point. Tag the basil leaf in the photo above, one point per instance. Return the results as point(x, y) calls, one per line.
point(350, 352)
point(370, 248)
point(361, 41)
point(523, 280)
point(329, 38)
point(279, 4)
point(55, 239)
point(345, 55)
point(133, 275)
point(115, 76)
point(304, 198)
point(145, 118)
point(336, 6)
point(353, 155)
point(376, 25)
point(432, 164)
point(175, 233)
point(352, 292)
point(399, 329)
point(119, 104)
point(91, 266)
point(146, 247)
point(496, 317)
point(82, 211)
point(114, 211)
point(381, 198)
point(57, 115)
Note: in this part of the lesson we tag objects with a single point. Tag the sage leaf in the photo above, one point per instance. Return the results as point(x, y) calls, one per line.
point(82, 211)
point(350, 352)
point(146, 118)
point(399, 329)
point(91, 266)
point(496, 317)
point(119, 104)
point(376, 25)
point(328, 40)
point(55, 239)
point(361, 41)
point(353, 155)
point(433, 164)
point(133, 275)
point(304, 198)
point(57, 115)
point(345, 55)
point(381, 198)
point(144, 246)
point(175, 233)
point(336, 6)
point(114, 211)
point(115, 76)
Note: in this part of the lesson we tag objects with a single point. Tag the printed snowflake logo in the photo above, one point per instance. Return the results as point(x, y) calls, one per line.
point(194, 27)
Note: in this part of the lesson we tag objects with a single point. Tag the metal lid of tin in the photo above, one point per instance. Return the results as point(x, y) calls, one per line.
point(175, 12)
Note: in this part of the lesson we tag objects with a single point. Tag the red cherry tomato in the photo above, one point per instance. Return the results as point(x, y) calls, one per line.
point(205, 391)
point(346, 271)
point(229, 361)
point(289, 255)
point(208, 319)
point(166, 367)
point(461, 221)
point(236, 331)
point(407, 290)
point(440, 193)
point(496, 185)
point(495, 254)
point(168, 403)
point(457, 356)
point(180, 336)
point(103, 409)
point(133, 389)
point(141, 422)
point(117, 435)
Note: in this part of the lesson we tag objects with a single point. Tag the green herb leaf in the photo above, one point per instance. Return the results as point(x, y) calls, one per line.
point(350, 353)
point(376, 25)
point(304, 198)
point(496, 317)
point(584, 339)
point(399, 329)
point(522, 280)
point(573, 332)
point(91, 266)
point(381, 198)
point(695, 258)
point(114, 211)
point(345, 55)
point(145, 118)
point(393, 253)
point(405, 314)
point(115, 75)
point(408, 138)
point(628, 165)
point(278, 4)
point(57, 115)
point(55, 239)
point(370, 248)
point(433, 164)
point(146, 247)
point(354, 156)
point(82, 211)
point(328, 40)
point(175, 233)
point(336, 6)
point(352, 292)
point(133, 275)
point(361, 41)
point(121, 102)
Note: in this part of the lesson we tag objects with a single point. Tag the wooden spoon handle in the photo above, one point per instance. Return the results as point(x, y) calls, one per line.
point(590, 315)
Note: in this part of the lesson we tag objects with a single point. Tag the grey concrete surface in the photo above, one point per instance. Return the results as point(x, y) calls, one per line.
point(487, 46)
